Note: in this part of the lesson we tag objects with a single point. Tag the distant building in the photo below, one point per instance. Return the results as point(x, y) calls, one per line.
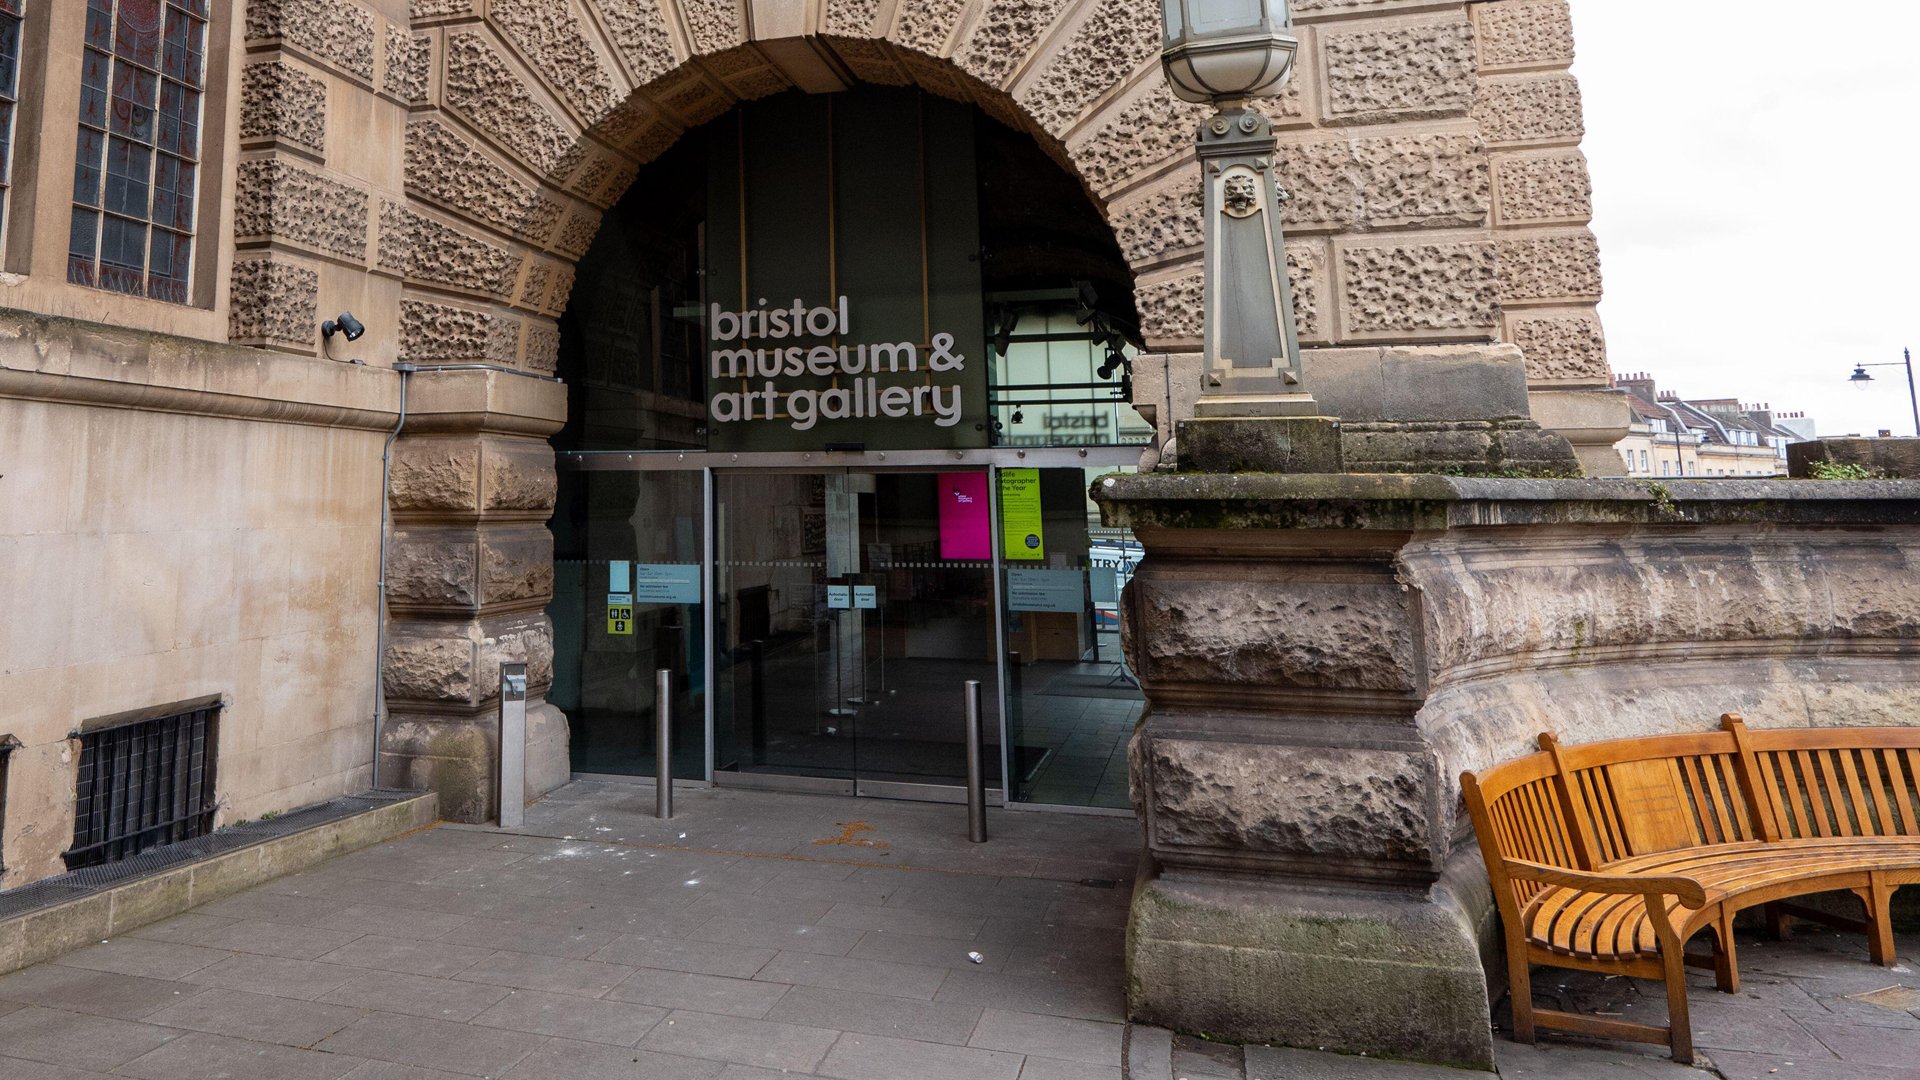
point(1710, 437)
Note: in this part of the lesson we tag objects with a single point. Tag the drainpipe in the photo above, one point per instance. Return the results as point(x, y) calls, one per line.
point(380, 613)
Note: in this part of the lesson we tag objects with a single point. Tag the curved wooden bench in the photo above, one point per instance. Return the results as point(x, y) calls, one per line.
point(1611, 856)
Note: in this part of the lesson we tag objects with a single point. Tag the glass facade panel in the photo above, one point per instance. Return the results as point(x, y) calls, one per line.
point(138, 97)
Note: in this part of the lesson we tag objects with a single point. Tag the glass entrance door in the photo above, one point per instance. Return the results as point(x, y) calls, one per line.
point(851, 608)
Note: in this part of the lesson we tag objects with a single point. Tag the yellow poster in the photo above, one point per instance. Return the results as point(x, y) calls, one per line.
point(619, 619)
point(1022, 535)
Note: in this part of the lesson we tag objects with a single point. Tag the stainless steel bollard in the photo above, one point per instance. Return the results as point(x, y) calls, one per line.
point(513, 745)
point(663, 744)
point(976, 770)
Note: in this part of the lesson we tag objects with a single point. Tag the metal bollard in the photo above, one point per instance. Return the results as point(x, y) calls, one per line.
point(976, 770)
point(513, 745)
point(663, 744)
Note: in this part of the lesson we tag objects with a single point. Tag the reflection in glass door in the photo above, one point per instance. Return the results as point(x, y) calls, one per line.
point(851, 609)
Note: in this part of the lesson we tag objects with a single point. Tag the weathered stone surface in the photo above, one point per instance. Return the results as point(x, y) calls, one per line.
point(419, 66)
point(280, 101)
point(427, 250)
point(869, 61)
point(433, 333)
point(1167, 220)
point(1118, 37)
point(1519, 32)
point(577, 234)
point(1418, 383)
point(481, 87)
point(1420, 70)
point(1277, 444)
point(1273, 632)
point(1894, 458)
point(691, 97)
point(1561, 346)
point(431, 9)
point(273, 300)
point(1307, 801)
point(1145, 133)
point(338, 31)
point(446, 168)
point(715, 24)
point(1529, 108)
point(641, 34)
point(563, 276)
point(1355, 185)
point(1544, 188)
point(534, 289)
point(436, 474)
point(457, 662)
point(1459, 448)
point(1005, 32)
point(1549, 267)
point(516, 564)
point(398, 77)
point(1420, 287)
point(554, 42)
point(277, 199)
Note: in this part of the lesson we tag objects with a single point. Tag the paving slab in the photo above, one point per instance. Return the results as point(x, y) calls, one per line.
point(762, 1043)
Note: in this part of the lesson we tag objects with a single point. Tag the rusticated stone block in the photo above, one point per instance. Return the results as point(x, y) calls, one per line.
point(1170, 310)
point(715, 24)
point(432, 333)
point(280, 101)
point(1561, 346)
point(482, 88)
point(1420, 287)
point(1167, 220)
point(457, 662)
point(277, 199)
point(1432, 181)
point(563, 276)
point(1550, 267)
point(854, 18)
point(1553, 187)
point(426, 250)
point(1003, 35)
point(543, 346)
point(554, 42)
point(869, 61)
point(398, 78)
point(1115, 40)
point(577, 234)
point(338, 31)
point(273, 301)
point(1308, 801)
point(516, 564)
point(925, 27)
point(419, 64)
point(691, 97)
point(1307, 275)
point(1519, 32)
point(1532, 108)
point(534, 289)
point(641, 34)
point(434, 9)
point(1142, 135)
point(1274, 633)
point(1420, 70)
point(436, 474)
point(437, 568)
point(446, 168)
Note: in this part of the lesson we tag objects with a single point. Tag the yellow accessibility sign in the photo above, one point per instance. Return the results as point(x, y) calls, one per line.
point(619, 619)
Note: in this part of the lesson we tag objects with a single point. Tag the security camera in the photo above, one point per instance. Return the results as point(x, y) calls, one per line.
point(345, 324)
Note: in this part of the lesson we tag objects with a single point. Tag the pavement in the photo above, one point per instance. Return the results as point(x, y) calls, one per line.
point(761, 935)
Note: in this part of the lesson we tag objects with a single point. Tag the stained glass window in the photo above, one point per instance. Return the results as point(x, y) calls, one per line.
point(137, 162)
point(9, 94)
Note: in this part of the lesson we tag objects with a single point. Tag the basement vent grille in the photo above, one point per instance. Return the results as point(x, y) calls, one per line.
point(143, 785)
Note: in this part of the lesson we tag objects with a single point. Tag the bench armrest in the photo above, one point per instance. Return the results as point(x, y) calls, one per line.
point(1690, 892)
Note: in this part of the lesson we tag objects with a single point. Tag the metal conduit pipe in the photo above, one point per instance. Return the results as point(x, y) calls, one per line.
point(380, 612)
point(479, 367)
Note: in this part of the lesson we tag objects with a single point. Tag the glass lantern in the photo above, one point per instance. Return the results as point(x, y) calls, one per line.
point(1227, 50)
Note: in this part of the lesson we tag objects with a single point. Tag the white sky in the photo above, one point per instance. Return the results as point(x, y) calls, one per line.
point(1756, 171)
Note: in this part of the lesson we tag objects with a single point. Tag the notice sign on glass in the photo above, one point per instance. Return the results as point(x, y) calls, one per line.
point(966, 530)
point(1047, 590)
point(866, 597)
point(1021, 532)
point(840, 597)
point(666, 583)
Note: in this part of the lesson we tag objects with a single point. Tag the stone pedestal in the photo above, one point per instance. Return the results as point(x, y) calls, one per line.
point(469, 574)
point(1324, 655)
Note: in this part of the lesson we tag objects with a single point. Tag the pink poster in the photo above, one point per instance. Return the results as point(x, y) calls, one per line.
point(966, 527)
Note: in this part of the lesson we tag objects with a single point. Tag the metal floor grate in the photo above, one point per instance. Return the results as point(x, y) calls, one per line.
point(71, 886)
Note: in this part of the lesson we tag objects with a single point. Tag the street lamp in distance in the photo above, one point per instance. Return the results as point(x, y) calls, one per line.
point(1860, 380)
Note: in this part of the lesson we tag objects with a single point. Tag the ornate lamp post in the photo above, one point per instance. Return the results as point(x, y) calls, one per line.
point(1223, 52)
point(1861, 380)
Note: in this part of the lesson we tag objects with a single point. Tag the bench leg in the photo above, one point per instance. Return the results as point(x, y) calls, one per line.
point(1679, 1027)
point(1726, 969)
point(1520, 991)
point(1878, 896)
point(1779, 923)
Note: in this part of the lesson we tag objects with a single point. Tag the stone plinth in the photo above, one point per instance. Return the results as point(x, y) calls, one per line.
point(1324, 655)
